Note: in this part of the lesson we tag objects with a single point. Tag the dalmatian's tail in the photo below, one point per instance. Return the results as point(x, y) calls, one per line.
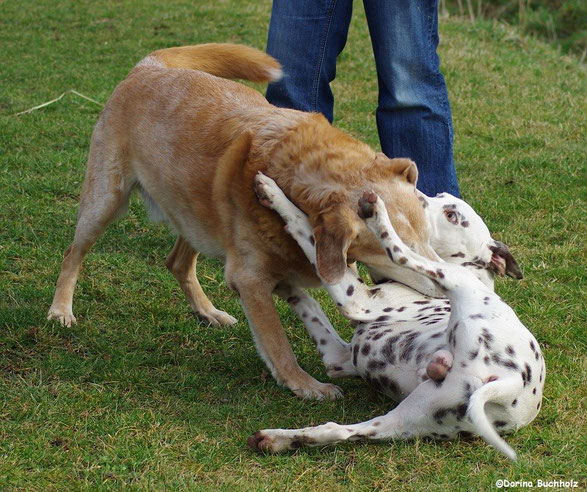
point(496, 392)
point(226, 60)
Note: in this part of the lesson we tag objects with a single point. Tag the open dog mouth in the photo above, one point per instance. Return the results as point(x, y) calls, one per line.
point(498, 264)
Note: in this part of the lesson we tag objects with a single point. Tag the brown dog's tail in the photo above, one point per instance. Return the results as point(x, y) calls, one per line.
point(229, 61)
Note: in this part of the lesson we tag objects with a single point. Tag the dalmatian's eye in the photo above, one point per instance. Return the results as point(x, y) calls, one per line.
point(451, 216)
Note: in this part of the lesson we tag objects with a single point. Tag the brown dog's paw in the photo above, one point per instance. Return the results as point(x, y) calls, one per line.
point(367, 204)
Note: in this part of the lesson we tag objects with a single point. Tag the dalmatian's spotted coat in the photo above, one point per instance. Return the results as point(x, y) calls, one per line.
point(470, 369)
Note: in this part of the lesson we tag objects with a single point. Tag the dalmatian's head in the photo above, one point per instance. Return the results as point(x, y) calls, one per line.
point(459, 235)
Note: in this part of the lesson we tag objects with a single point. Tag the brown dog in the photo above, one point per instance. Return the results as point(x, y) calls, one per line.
point(193, 142)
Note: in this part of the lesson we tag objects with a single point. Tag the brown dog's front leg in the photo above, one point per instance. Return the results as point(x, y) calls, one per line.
point(272, 344)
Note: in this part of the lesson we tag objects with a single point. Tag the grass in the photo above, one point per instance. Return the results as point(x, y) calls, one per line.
point(561, 22)
point(138, 393)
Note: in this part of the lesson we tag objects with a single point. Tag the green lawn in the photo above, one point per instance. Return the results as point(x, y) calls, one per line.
point(140, 394)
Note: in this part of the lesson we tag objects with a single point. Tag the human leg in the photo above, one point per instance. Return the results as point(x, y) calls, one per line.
point(306, 36)
point(413, 115)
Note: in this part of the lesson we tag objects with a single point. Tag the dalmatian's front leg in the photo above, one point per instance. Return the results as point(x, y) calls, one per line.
point(350, 294)
point(334, 351)
point(372, 211)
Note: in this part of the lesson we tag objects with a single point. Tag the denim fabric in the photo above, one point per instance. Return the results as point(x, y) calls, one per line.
point(413, 113)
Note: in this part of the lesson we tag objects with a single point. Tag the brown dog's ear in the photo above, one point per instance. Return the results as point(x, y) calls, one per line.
point(333, 236)
point(405, 168)
point(503, 262)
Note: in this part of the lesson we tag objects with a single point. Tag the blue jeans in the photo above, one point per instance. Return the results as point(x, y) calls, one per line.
point(413, 113)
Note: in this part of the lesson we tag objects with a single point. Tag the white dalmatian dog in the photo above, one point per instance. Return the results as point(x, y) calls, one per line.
point(460, 365)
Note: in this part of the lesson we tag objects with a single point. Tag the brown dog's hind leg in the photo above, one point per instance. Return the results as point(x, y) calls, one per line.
point(181, 262)
point(104, 199)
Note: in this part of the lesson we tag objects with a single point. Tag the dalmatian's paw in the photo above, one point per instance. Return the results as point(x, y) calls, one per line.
point(440, 364)
point(266, 190)
point(367, 205)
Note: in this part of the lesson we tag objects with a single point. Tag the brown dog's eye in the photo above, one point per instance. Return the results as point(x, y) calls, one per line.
point(451, 216)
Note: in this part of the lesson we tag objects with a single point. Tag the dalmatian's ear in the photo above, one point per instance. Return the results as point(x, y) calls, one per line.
point(334, 232)
point(503, 262)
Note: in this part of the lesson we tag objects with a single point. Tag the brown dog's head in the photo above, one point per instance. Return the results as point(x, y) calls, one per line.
point(324, 172)
point(341, 237)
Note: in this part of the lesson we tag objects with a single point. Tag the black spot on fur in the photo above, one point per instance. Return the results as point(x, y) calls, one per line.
point(388, 309)
point(384, 235)
point(378, 336)
point(312, 240)
point(477, 316)
point(355, 353)
point(528, 372)
point(515, 402)
point(388, 350)
point(374, 382)
point(438, 382)
point(465, 223)
point(376, 365)
point(393, 387)
point(365, 349)
point(350, 290)
point(461, 411)
point(500, 423)
point(373, 292)
point(458, 255)
point(440, 414)
point(408, 347)
point(510, 350)
point(467, 391)
point(510, 364)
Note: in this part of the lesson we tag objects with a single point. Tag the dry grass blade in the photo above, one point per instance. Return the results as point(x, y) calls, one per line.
point(71, 91)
